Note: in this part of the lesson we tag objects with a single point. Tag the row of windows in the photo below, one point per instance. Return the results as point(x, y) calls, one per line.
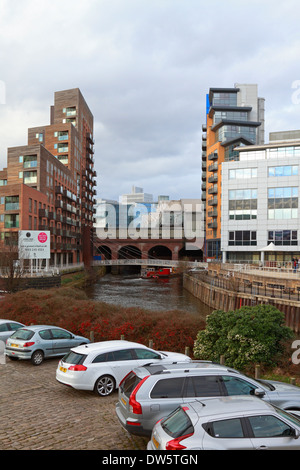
point(242, 238)
point(233, 115)
point(278, 237)
point(228, 132)
point(283, 237)
point(273, 171)
point(282, 203)
point(228, 99)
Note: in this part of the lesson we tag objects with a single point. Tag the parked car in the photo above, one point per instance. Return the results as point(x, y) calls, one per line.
point(150, 393)
point(228, 423)
point(7, 327)
point(41, 341)
point(101, 366)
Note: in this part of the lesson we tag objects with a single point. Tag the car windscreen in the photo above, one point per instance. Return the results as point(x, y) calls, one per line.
point(129, 384)
point(177, 424)
point(22, 334)
point(74, 358)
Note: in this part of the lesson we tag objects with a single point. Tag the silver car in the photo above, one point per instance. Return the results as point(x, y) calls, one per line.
point(152, 392)
point(7, 328)
point(41, 341)
point(228, 423)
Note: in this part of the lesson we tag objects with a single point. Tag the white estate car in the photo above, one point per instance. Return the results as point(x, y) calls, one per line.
point(100, 367)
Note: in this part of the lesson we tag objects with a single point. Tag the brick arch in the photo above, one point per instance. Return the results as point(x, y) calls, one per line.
point(144, 245)
point(160, 252)
point(129, 251)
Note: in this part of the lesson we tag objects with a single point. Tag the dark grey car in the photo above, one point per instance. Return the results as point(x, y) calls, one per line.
point(150, 393)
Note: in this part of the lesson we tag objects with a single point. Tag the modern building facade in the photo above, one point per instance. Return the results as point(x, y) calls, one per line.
point(49, 184)
point(234, 117)
point(260, 201)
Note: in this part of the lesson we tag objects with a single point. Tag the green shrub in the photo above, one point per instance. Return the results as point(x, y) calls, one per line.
point(250, 335)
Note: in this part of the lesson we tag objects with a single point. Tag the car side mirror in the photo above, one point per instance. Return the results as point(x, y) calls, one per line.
point(258, 392)
point(296, 434)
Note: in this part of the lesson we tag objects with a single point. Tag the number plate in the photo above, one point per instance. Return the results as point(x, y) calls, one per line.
point(123, 401)
point(63, 369)
point(14, 345)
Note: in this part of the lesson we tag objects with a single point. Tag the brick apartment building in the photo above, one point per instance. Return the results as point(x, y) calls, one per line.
point(49, 184)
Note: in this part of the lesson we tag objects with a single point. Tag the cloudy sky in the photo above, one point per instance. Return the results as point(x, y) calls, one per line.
point(144, 67)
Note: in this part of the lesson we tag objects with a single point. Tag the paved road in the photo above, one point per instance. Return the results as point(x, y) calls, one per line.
point(36, 412)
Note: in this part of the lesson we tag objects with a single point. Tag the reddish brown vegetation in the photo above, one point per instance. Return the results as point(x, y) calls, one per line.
point(71, 309)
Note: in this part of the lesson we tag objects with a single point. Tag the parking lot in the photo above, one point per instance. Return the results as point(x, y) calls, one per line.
point(38, 413)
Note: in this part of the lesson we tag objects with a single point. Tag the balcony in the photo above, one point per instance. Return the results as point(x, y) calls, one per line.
point(213, 201)
point(213, 156)
point(213, 189)
point(213, 167)
point(90, 138)
point(213, 224)
point(203, 176)
point(203, 186)
point(203, 196)
point(213, 179)
point(213, 213)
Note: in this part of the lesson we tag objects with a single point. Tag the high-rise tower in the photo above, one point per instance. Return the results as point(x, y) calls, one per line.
point(234, 117)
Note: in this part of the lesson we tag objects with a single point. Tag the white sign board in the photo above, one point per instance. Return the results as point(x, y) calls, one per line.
point(34, 244)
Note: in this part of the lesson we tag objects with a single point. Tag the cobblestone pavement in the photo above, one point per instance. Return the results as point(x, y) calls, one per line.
point(38, 413)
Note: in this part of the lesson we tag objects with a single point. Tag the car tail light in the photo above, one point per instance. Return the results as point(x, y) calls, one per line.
point(136, 407)
point(174, 444)
point(78, 367)
point(28, 344)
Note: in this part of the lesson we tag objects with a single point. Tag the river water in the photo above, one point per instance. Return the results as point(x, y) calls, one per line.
point(160, 295)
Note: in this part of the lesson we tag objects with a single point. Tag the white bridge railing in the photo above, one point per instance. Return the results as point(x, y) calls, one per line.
point(149, 262)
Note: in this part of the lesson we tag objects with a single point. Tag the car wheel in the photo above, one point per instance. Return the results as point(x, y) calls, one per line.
point(37, 358)
point(105, 385)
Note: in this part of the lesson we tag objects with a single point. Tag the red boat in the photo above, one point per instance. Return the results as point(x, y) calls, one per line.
point(158, 273)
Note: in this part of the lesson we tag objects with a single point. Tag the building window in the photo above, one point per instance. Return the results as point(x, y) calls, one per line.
point(30, 177)
point(242, 238)
point(228, 99)
point(30, 161)
point(228, 132)
point(71, 111)
point(63, 135)
point(242, 173)
point(3, 182)
point(232, 115)
point(11, 221)
point(62, 148)
point(242, 204)
point(287, 170)
point(283, 237)
point(283, 203)
point(11, 203)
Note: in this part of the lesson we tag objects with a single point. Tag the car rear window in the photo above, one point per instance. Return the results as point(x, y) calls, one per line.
point(168, 388)
point(22, 334)
point(129, 384)
point(74, 358)
point(178, 424)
